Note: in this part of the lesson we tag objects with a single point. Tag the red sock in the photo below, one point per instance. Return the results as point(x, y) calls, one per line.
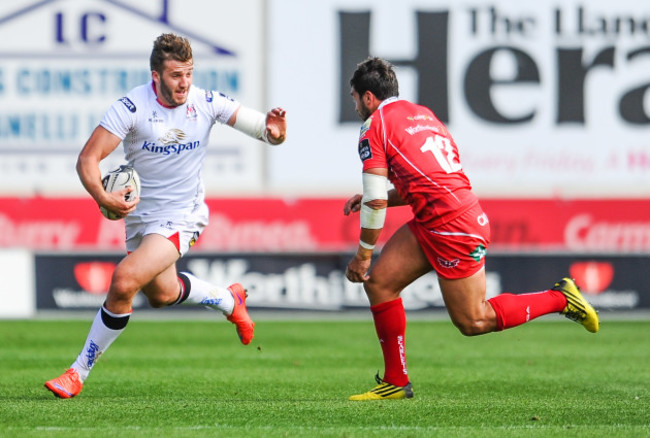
point(390, 323)
point(513, 310)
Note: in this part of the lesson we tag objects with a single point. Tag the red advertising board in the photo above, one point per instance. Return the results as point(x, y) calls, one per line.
point(318, 224)
point(582, 225)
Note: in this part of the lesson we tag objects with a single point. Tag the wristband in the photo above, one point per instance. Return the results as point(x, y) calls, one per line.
point(365, 245)
point(252, 123)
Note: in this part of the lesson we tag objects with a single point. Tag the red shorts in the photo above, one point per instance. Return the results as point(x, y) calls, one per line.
point(456, 249)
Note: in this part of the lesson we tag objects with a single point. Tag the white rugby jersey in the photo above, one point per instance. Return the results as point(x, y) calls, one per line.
point(166, 146)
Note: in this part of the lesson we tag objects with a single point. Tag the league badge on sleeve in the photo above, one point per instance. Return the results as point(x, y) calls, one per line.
point(365, 127)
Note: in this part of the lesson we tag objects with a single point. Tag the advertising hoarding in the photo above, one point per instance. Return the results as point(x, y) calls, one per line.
point(317, 282)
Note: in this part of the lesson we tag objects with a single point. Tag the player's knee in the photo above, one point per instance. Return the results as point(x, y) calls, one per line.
point(122, 287)
point(156, 302)
point(369, 289)
point(472, 326)
point(379, 293)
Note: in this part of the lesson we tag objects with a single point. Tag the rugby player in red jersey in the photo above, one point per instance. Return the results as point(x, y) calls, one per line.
point(405, 144)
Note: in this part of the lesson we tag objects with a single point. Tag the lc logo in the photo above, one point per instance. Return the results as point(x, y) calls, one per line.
point(92, 26)
point(89, 27)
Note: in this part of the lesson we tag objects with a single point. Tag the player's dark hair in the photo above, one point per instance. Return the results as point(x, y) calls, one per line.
point(377, 76)
point(169, 46)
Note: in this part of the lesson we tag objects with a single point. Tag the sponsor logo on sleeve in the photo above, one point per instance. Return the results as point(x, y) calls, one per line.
point(127, 103)
point(364, 149)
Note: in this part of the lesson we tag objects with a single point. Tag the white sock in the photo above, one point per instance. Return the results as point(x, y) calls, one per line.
point(202, 293)
point(100, 337)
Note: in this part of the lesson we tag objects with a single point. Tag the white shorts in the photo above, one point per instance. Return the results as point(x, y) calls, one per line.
point(182, 230)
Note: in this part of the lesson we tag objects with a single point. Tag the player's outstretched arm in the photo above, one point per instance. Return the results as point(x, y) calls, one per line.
point(270, 128)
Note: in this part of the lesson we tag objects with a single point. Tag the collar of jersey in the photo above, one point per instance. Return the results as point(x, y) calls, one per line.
point(388, 101)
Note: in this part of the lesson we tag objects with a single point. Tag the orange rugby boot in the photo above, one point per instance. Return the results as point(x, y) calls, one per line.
point(67, 385)
point(239, 316)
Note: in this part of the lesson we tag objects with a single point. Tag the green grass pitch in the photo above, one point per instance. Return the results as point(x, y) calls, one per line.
point(192, 378)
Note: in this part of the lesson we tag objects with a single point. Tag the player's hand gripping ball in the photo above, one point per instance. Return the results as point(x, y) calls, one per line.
point(118, 179)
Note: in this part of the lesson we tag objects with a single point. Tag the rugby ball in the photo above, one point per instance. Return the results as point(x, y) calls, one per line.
point(118, 179)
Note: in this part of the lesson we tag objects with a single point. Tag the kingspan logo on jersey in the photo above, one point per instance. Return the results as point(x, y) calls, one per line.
point(170, 143)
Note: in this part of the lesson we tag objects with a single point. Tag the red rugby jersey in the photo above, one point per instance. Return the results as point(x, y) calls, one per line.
point(421, 157)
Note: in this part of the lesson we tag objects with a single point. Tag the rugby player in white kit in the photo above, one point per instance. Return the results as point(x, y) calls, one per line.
point(164, 127)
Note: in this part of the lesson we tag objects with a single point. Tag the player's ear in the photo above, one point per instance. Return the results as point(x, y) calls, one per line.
point(369, 98)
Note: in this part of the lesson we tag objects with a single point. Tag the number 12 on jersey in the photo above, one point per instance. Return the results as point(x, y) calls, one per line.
point(444, 152)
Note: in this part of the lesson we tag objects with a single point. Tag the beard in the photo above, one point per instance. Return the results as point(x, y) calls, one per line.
point(168, 95)
point(364, 112)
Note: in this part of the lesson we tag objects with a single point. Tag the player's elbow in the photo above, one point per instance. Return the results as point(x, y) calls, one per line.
point(85, 162)
point(377, 204)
